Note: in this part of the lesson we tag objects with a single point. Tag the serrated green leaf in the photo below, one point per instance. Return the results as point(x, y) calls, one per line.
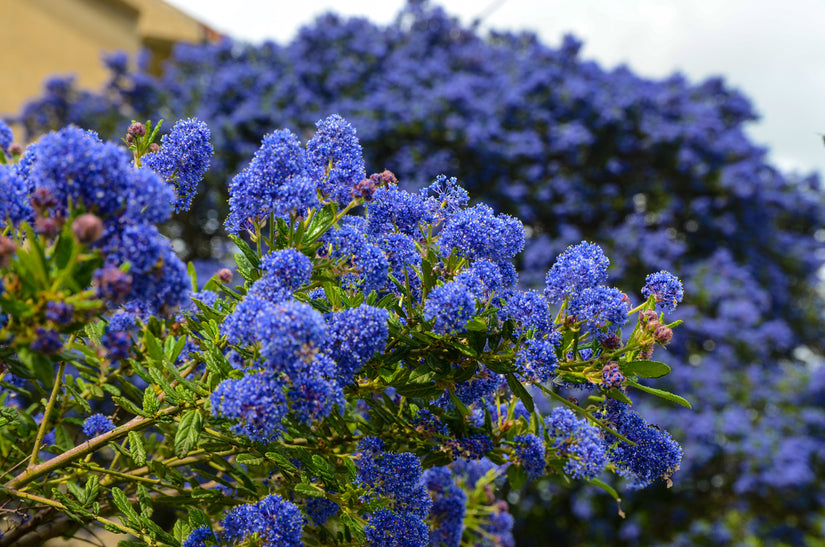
point(145, 501)
point(122, 503)
point(62, 439)
point(150, 401)
point(131, 407)
point(198, 518)
point(645, 369)
point(310, 490)
point(136, 448)
point(249, 459)
point(188, 433)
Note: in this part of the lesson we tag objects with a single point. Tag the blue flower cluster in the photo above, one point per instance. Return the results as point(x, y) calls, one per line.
point(667, 289)
point(580, 440)
point(449, 505)
point(183, 159)
point(277, 522)
point(97, 424)
point(572, 151)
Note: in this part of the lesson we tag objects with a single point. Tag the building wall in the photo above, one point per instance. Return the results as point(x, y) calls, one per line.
point(39, 38)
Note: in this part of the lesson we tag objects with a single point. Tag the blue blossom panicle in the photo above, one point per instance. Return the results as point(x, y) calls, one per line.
point(335, 158)
point(483, 278)
point(537, 359)
point(478, 233)
point(117, 336)
point(473, 447)
point(580, 441)
point(183, 159)
point(256, 402)
point(355, 335)
point(277, 521)
point(667, 289)
point(655, 456)
point(500, 528)
point(530, 311)
point(450, 306)
point(448, 509)
point(199, 537)
point(14, 207)
point(368, 449)
point(321, 510)
point(601, 308)
point(472, 470)
point(483, 384)
point(6, 137)
point(285, 271)
point(290, 333)
point(59, 312)
point(449, 195)
point(392, 475)
point(274, 182)
point(97, 424)
point(509, 277)
point(530, 451)
point(166, 287)
point(428, 423)
point(386, 528)
point(315, 390)
point(148, 199)
point(141, 245)
point(47, 341)
point(239, 326)
point(404, 259)
point(579, 267)
point(369, 265)
point(112, 284)
point(395, 210)
point(612, 376)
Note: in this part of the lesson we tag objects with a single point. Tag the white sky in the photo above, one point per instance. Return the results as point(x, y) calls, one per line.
point(772, 50)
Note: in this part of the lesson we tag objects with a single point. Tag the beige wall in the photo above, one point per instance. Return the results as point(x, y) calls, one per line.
point(43, 37)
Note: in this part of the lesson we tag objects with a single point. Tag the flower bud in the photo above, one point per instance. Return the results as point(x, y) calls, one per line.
point(364, 189)
point(42, 199)
point(225, 275)
point(137, 129)
point(15, 149)
point(646, 351)
point(113, 284)
point(611, 375)
point(611, 341)
point(663, 335)
point(648, 316)
point(154, 147)
point(48, 226)
point(87, 228)
point(385, 178)
point(7, 249)
point(48, 341)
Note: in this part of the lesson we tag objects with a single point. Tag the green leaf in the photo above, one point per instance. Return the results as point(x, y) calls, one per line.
point(189, 430)
point(660, 393)
point(62, 439)
point(249, 459)
point(517, 476)
point(92, 490)
point(150, 401)
point(619, 395)
point(520, 392)
point(606, 487)
point(193, 276)
point(283, 463)
point(198, 518)
point(145, 501)
point(123, 505)
point(136, 448)
point(129, 406)
point(181, 531)
point(459, 405)
point(645, 369)
point(310, 490)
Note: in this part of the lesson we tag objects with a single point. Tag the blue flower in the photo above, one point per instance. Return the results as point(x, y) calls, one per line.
point(355, 335)
point(386, 528)
point(284, 271)
point(580, 441)
point(183, 159)
point(530, 452)
point(274, 182)
point(579, 267)
point(256, 402)
point(448, 509)
point(530, 311)
point(321, 510)
point(334, 158)
point(199, 537)
point(450, 306)
point(478, 233)
point(97, 424)
point(6, 137)
point(277, 521)
point(667, 289)
point(600, 308)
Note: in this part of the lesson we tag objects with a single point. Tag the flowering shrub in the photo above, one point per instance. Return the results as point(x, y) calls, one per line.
point(376, 377)
point(659, 172)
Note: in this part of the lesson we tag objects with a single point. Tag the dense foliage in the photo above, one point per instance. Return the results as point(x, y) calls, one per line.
point(366, 383)
point(658, 172)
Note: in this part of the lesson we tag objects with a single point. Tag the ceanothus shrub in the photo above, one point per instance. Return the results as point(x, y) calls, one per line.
point(659, 172)
point(344, 392)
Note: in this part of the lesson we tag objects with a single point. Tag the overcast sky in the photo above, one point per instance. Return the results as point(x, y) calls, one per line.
point(772, 51)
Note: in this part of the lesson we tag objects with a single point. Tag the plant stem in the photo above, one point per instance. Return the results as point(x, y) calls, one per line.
point(49, 407)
